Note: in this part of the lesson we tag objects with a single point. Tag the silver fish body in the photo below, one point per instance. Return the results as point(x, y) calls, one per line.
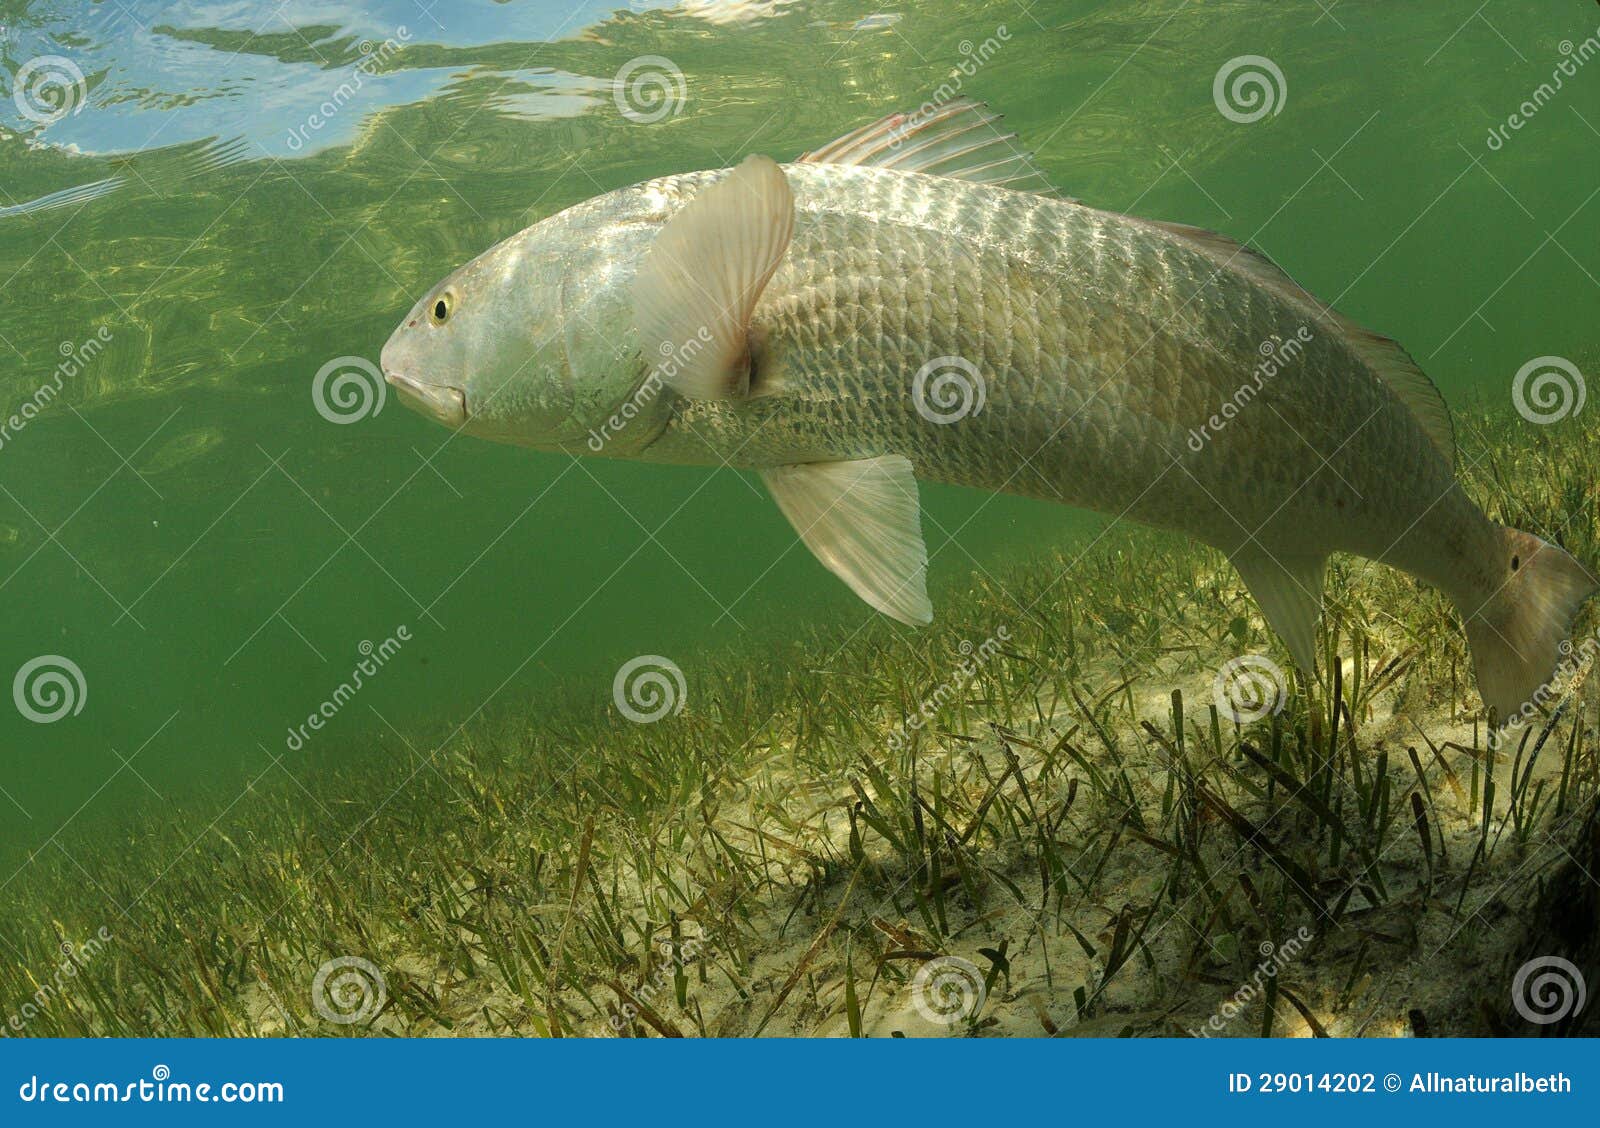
point(892, 321)
point(1100, 345)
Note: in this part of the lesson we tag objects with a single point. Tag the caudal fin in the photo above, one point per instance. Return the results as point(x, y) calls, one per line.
point(1516, 631)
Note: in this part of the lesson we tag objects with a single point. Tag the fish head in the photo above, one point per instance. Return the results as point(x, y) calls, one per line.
point(482, 351)
point(533, 342)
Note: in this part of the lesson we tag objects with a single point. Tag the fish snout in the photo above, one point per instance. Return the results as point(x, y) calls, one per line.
point(446, 404)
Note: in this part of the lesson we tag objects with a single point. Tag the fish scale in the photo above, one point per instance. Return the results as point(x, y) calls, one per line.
point(1101, 344)
point(777, 318)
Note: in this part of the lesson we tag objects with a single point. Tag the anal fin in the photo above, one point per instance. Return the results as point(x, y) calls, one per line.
point(1289, 589)
point(863, 521)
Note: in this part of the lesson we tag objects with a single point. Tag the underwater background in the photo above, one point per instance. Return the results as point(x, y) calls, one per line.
point(204, 206)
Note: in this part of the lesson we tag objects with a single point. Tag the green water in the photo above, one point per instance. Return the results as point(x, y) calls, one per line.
point(181, 523)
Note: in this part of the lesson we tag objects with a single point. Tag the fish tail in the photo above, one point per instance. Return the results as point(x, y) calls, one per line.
point(1518, 631)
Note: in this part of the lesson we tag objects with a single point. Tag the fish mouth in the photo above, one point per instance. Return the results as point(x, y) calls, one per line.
point(446, 404)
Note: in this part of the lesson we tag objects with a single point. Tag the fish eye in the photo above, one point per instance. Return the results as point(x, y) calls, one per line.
point(442, 308)
point(1516, 562)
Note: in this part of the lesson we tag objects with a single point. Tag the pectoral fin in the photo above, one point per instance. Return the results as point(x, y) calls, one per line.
point(703, 275)
point(1289, 589)
point(863, 521)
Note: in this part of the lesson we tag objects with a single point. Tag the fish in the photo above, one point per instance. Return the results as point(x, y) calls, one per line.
point(916, 302)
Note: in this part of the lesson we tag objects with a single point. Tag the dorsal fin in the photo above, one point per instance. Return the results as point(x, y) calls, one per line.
point(1383, 355)
point(959, 139)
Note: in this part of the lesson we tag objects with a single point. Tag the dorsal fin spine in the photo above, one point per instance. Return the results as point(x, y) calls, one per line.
point(945, 141)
